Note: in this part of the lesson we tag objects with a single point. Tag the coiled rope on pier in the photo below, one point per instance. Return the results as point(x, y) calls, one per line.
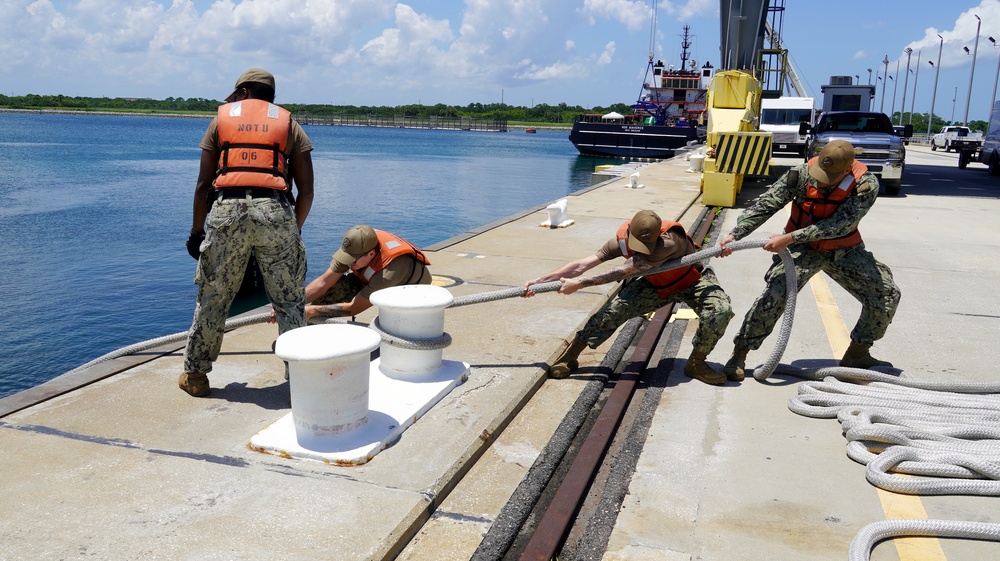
point(870, 535)
point(944, 436)
point(946, 433)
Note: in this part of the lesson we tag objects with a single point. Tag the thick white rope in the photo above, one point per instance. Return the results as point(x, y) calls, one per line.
point(870, 535)
point(944, 436)
point(516, 292)
point(933, 430)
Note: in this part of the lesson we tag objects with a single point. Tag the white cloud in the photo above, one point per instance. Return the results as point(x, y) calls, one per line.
point(634, 15)
point(343, 51)
point(608, 55)
point(691, 8)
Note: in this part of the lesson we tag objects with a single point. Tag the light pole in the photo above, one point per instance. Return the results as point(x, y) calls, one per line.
point(906, 81)
point(894, 84)
point(916, 75)
point(954, 96)
point(975, 49)
point(993, 97)
point(937, 73)
point(881, 107)
point(869, 76)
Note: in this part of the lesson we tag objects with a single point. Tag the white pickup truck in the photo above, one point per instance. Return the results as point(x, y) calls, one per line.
point(957, 139)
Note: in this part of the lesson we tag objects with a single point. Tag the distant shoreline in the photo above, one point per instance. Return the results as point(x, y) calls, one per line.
point(105, 113)
point(206, 116)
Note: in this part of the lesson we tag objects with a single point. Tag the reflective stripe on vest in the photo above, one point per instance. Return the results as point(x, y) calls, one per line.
point(818, 206)
point(252, 136)
point(391, 247)
point(669, 282)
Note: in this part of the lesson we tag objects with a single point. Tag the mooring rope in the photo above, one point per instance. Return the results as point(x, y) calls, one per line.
point(429, 344)
point(515, 292)
point(761, 372)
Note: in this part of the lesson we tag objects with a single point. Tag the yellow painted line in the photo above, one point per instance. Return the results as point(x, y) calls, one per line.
point(893, 505)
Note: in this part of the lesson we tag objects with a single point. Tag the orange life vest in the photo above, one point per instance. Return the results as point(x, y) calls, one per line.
point(818, 206)
point(669, 282)
point(252, 135)
point(391, 247)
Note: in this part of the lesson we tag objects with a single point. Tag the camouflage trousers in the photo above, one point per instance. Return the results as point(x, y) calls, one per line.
point(638, 298)
point(853, 268)
point(234, 228)
point(344, 290)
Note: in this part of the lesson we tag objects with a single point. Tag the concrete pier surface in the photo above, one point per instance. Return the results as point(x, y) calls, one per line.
point(131, 467)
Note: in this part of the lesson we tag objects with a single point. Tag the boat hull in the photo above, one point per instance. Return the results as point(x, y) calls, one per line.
point(630, 140)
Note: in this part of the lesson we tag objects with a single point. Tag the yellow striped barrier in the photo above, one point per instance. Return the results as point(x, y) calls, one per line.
point(736, 154)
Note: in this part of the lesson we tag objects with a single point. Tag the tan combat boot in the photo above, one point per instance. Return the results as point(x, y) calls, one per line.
point(698, 369)
point(567, 363)
point(194, 384)
point(857, 356)
point(736, 366)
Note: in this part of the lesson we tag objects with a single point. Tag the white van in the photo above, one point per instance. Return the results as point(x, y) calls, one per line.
point(782, 116)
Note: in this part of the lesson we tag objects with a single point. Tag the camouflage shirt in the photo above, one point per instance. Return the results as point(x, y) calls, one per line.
point(780, 193)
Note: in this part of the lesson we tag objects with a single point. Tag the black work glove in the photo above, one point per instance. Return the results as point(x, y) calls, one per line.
point(194, 244)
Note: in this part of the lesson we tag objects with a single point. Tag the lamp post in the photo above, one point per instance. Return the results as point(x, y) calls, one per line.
point(916, 75)
point(993, 97)
point(906, 81)
point(895, 82)
point(975, 49)
point(954, 96)
point(869, 76)
point(937, 73)
point(881, 107)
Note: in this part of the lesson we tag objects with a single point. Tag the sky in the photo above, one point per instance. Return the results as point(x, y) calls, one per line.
point(519, 52)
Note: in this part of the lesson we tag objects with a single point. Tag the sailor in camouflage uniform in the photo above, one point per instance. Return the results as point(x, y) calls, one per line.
point(830, 195)
point(646, 242)
point(251, 153)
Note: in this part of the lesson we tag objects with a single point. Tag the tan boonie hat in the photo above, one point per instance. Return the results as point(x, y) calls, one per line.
point(833, 159)
point(257, 75)
point(358, 241)
point(643, 231)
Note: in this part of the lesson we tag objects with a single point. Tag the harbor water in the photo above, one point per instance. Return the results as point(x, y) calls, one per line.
point(96, 210)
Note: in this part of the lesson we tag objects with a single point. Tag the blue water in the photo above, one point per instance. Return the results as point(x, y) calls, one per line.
point(95, 210)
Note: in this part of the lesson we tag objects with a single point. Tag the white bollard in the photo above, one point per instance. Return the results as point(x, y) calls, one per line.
point(411, 312)
point(557, 212)
point(697, 163)
point(328, 367)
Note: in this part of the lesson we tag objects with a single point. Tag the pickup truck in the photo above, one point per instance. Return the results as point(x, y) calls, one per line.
point(988, 151)
point(957, 138)
point(876, 143)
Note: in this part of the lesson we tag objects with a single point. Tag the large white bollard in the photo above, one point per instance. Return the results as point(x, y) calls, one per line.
point(328, 367)
point(697, 163)
point(411, 312)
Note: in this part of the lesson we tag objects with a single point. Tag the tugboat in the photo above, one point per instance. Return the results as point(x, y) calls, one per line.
point(668, 114)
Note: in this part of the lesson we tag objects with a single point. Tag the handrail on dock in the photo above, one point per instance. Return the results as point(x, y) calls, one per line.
point(406, 122)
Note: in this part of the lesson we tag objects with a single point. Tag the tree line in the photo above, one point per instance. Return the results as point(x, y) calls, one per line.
point(919, 122)
point(541, 113)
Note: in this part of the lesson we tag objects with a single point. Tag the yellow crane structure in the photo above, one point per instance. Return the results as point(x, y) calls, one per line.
point(735, 145)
